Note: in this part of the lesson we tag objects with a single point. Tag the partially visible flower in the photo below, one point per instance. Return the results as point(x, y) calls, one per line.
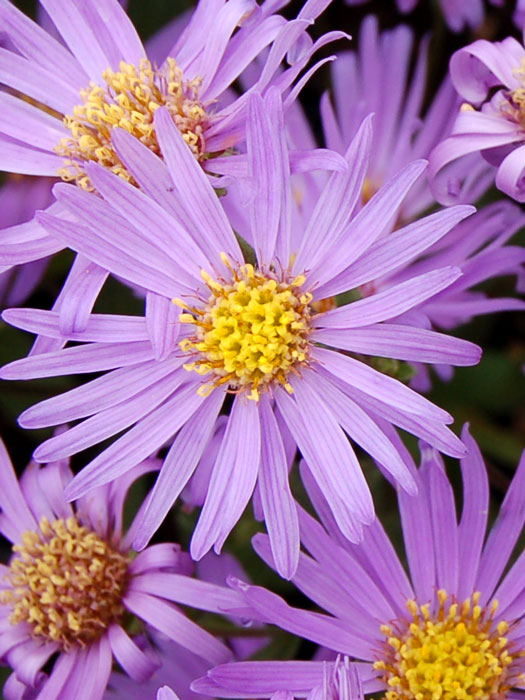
point(176, 666)
point(459, 14)
point(402, 134)
point(260, 336)
point(166, 693)
point(479, 246)
point(316, 680)
point(519, 14)
point(20, 197)
point(453, 629)
point(73, 591)
point(379, 78)
point(490, 77)
point(62, 102)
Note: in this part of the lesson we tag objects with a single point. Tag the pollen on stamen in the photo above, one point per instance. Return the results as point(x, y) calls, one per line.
point(66, 582)
point(454, 652)
point(251, 332)
point(129, 99)
point(513, 104)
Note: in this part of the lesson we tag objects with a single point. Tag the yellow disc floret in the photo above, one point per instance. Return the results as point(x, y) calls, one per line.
point(513, 106)
point(129, 100)
point(66, 582)
point(455, 653)
point(253, 330)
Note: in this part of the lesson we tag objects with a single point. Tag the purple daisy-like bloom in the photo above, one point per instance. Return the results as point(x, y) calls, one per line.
point(63, 102)
point(454, 628)
point(71, 582)
point(379, 79)
point(491, 77)
point(255, 330)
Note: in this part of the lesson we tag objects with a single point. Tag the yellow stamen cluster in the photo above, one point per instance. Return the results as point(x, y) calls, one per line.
point(66, 583)
point(252, 332)
point(513, 107)
point(129, 100)
point(456, 653)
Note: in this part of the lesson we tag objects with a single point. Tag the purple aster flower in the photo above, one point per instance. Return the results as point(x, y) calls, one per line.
point(491, 78)
point(254, 340)
point(378, 79)
point(454, 629)
point(63, 102)
point(71, 584)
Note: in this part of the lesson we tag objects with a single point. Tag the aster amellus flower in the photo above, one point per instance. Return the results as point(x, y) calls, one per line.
point(490, 78)
point(260, 339)
point(61, 103)
point(72, 590)
point(453, 629)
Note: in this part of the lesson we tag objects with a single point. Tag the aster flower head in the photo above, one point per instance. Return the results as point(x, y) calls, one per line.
point(71, 588)
point(255, 338)
point(452, 629)
point(63, 99)
point(490, 78)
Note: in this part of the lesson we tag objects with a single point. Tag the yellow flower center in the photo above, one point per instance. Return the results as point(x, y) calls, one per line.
point(513, 106)
point(129, 100)
point(458, 653)
point(252, 331)
point(66, 583)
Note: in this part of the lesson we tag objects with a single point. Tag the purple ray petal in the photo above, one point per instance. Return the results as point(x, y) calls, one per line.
point(233, 478)
point(403, 343)
point(176, 626)
point(178, 467)
point(133, 660)
point(138, 443)
point(503, 535)
point(193, 186)
point(279, 508)
point(473, 523)
point(81, 359)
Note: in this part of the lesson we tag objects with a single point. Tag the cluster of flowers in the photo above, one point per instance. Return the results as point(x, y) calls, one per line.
point(297, 301)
